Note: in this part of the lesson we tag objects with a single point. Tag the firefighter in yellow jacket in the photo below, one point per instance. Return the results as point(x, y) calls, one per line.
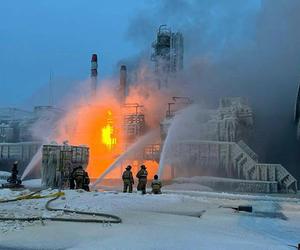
point(127, 179)
point(156, 185)
point(142, 176)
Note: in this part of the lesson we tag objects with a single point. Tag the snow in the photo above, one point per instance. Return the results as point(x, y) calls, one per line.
point(187, 186)
point(4, 173)
point(33, 183)
point(174, 220)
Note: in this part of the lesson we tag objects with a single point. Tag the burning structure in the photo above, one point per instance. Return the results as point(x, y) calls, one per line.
point(106, 123)
point(193, 141)
point(214, 141)
point(134, 121)
point(167, 55)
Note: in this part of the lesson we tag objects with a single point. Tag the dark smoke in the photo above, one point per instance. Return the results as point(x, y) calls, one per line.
point(247, 48)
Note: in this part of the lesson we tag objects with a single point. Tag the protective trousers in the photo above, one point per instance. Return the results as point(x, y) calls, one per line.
point(142, 185)
point(127, 185)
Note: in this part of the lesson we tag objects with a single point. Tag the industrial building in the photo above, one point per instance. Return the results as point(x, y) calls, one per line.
point(220, 146)
point(217, 146)
point(18, 142)
point(133, 121)
point(219, 150)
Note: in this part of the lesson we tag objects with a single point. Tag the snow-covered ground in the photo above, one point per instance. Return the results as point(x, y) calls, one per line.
point(32, 183)
point(173, 220)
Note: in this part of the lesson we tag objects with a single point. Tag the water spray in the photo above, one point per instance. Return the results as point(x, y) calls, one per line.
point(140, 143)
point(37, 158)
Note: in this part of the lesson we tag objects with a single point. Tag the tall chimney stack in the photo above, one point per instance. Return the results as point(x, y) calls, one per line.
point(94, 74)
point(123, 82)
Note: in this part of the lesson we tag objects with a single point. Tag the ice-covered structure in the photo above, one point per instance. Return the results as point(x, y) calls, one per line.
point(58, 162)
point(18, 138)
point(16, 124)
point(212, 143)
point(232, 121)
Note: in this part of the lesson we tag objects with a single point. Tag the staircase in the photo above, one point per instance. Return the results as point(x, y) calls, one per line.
point(249, 169)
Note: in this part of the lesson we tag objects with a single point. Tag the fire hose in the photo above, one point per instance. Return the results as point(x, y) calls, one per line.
point(109, 218)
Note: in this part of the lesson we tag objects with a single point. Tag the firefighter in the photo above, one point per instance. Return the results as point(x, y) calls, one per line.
point(71, 179)
point(79, 176)
point(127, 179)
point(86, 181)
point(142, 176)
point(13, 179)
point(156, 185)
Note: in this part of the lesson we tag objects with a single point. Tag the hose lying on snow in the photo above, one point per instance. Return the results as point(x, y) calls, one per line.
point(109, 217)
point(24, 197)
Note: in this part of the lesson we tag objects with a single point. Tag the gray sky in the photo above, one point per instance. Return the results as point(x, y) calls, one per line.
point(39, 36)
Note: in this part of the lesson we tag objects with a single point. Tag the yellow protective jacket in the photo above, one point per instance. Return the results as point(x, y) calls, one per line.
point(127, 176)
point(156, 185)
point(142, 174)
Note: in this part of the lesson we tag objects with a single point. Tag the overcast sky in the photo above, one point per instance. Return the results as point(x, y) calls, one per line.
point(39, 36)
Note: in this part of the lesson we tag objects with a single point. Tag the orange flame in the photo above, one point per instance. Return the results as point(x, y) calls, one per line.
point(98, 124)
point(108, 132)
point(95, 124)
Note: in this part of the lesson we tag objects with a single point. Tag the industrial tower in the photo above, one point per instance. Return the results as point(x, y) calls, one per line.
point(94, 74)
point(167, 55)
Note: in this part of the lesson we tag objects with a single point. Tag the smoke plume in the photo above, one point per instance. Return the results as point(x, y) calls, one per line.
point(238, 48)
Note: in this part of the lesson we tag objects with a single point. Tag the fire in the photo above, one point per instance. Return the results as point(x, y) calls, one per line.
point(97, 125)
point(108, 131)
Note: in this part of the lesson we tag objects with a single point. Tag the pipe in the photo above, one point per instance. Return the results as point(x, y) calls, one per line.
point(123, 83)
point(94, 74)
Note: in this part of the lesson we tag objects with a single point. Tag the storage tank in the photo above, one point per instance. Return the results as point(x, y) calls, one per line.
point(58, 163)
